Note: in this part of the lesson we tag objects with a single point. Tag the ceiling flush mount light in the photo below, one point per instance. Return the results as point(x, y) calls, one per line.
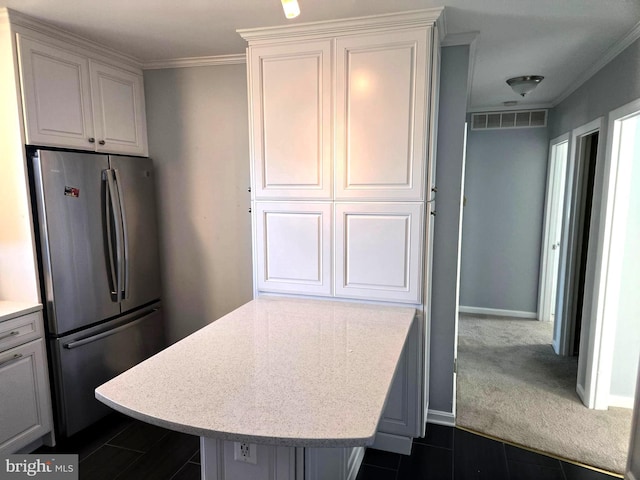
point(525, 84)
point(291, 8)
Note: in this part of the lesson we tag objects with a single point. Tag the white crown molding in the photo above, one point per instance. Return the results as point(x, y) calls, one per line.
point(413, 18)
point(615, 50)
point(21, 20)
point(195, 62)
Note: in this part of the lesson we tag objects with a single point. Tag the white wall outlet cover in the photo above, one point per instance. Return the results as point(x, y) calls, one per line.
point(245, 452)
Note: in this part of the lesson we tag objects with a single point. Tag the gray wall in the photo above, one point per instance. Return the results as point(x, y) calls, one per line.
point(615, 85)
point(449, 171)
point(198, 138)
point(505, 187)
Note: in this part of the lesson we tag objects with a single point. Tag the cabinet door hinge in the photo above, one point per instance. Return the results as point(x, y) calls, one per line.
point(455, 365)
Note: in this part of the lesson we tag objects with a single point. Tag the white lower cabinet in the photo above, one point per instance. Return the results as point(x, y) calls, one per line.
point(378, 251)
point(219, 462)
point(400, 419)
point(24, 396)
point(293, 247)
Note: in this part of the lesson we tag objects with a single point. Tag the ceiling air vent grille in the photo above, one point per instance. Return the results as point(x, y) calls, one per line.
point(519, 119)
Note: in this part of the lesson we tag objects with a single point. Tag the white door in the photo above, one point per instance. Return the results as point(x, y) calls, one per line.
point(293, 247)
point(381, 118)
point(378, 251)
point(118, 110)
point(55, 96)
point(610, 344)
point(550, 261)
point(290, 90)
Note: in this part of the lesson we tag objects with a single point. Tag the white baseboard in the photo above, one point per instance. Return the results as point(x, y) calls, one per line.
point(620, 401)
point(497, 312)
point(392, 443)
point(438, 417)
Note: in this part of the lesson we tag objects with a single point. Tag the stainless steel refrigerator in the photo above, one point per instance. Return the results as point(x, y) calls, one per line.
point(98, 257)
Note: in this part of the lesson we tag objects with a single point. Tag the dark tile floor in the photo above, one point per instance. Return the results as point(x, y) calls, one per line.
point(124, 449)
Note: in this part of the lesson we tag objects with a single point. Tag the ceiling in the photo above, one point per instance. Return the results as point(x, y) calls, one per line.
point(559, 39)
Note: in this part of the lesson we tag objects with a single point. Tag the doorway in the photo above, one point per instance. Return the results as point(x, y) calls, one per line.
point(611, 341)
point(575, 234)
point(552, 230)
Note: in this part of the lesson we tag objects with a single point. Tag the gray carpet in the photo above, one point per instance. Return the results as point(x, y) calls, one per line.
point(512, 386)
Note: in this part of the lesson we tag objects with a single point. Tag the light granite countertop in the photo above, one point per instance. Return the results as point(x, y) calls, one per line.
point(278, 371)
point(9, 310)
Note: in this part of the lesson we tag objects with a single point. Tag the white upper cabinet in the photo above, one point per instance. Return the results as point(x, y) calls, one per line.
point(72, 101)
point(56, 96)
point(381, 115)
point(118, 106)
point(291, 109)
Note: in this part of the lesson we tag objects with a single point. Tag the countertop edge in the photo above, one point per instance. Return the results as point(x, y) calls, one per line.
point(10, 309)
point(239, 437)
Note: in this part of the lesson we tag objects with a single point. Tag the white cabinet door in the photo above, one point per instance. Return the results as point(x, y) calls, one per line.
point(381, 115)
point(379, 251)
point(293, 247)
point(24, 395)
point(55, 96)
point(290, 88)
point(118, 107)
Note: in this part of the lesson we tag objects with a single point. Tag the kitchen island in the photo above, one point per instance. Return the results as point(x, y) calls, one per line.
point(278, 389)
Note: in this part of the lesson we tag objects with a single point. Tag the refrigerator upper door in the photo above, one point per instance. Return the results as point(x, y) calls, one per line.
point(135, 185)
point(70, 194)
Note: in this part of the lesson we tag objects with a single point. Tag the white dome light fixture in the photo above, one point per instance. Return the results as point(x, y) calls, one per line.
point(291, 8)
point(525, 84)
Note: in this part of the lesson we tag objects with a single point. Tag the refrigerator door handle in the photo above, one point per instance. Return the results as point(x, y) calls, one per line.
point(117, 221)
point(125, 235)
point(108, 209)
point(108, 333)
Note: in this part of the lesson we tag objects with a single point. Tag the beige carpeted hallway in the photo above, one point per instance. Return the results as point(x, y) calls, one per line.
point(512, 386)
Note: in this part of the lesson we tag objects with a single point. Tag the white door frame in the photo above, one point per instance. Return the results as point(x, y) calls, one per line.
point(597, 342)
point(564, 328)
point(546, 283)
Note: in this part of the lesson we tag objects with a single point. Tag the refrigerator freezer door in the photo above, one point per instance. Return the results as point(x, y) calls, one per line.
point(84, 360)
point(135, 183)
point(70, 193)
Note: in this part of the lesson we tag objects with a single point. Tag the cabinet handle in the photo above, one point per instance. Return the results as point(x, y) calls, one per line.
point(11, 334)
point(16, 356)
point(92, 140)
point(433, 212)
point(101, 142)
point(249, 210)
point(249, 189)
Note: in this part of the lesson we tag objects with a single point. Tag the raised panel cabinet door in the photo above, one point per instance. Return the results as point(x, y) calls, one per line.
point(55, 96)
point(24, 395)
point(118, 110)
point(378, 251)
point(381, 115)
point(293, 247)
point(290, 88)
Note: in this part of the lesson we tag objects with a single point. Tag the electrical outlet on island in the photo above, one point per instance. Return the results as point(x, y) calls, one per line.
point(245, 452)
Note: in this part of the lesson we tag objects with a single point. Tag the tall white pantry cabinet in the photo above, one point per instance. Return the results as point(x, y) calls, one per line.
point(342, 125)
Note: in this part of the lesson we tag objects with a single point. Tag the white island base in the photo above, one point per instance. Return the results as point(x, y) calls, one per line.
point(302, 383)
point(223, 460)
